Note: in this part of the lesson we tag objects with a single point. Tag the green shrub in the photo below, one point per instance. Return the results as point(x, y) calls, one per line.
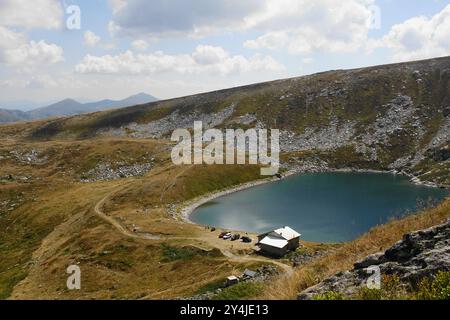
point(240, 291)
point(370, 294)
point(212, 286)
point(174, 253)
point(391, 289)
point(437, 288)
point(330, 295)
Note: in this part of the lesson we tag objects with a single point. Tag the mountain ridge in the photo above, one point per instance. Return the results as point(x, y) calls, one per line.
point(391, 117)
point(71, 107)
point(102, 180)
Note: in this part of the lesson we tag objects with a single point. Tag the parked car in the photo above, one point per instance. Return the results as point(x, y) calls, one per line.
point(223, 234)
point(246, 239)
point(227, 236)
point(235, 237)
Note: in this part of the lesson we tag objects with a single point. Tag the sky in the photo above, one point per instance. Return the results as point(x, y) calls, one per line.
point(96, 49)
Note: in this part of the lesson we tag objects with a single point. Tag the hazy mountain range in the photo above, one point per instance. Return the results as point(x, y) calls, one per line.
point(69, 107)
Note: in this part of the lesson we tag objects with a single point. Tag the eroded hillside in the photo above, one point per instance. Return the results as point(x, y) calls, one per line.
point(387, 117)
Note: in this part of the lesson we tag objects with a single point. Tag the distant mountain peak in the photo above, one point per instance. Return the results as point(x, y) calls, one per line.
point(141, 95)
point(69, 107)
point(68, 100)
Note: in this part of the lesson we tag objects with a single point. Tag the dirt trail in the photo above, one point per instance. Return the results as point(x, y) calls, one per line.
point(206, 238)
point(123, 230)
point(246, 258)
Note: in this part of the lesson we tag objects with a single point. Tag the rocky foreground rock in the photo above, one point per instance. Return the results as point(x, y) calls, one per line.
point(420, 254)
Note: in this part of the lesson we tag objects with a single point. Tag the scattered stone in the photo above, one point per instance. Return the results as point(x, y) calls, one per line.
point(164, 127)
point(262, 274)
point(105, 172)
point(31, 157)
point(246, 119)
point(420, 254)
point(336, 135)
point(301, 258)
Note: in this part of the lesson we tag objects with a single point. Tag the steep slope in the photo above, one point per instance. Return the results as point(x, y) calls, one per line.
point(386, 117)
point(421, 254)
point(52, 218)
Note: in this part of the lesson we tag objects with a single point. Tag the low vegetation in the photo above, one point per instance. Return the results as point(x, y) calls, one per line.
point(377, 239)
point(171, 254)
point(140, 248)
point(431, 288)
point(212, 286)
point(436, 288)
point(241, 291)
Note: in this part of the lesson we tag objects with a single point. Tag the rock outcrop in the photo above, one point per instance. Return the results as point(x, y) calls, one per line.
point(420, 254)
point(262, 274)
point(105, 172)
point(387, 118)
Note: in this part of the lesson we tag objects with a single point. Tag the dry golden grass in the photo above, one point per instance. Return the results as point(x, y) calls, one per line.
point(54, 225)
point(377, 239)
point(113, 266)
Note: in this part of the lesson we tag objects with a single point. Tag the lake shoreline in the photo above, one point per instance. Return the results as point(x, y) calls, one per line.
point(188, 208)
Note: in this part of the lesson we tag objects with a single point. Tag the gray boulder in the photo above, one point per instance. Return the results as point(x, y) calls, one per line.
point(419, 254)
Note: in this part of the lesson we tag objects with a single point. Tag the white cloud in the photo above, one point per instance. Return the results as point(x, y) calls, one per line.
point(271, 40)
point(418, 37)
point(10, 39)
point(322, 25)
point(140, 45)
point(180, 17)
point(42, 81)
point(27, 14)
point(298, 26)
point(209, 55)
point(91, 39)
point(205, 59)
point(117, 5)
point(34, 53)
point(16, 51)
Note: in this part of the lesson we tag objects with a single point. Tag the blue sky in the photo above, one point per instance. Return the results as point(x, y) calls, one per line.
point(177, 47)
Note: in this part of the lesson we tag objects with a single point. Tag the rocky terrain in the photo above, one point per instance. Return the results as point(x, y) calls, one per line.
point(393, 117)
point(105, 172)
point(30, 157)
point(301, 258)
point(164, 127)
point(262, 274)
point(76, 189)
point(420, 254)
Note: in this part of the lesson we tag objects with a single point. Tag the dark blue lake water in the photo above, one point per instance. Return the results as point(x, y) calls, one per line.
point(323, 207)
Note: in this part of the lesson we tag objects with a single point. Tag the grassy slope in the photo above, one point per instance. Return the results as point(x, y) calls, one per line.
point(377, 239)
point(54, 225)
point(302, 105)
point(297, 104)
